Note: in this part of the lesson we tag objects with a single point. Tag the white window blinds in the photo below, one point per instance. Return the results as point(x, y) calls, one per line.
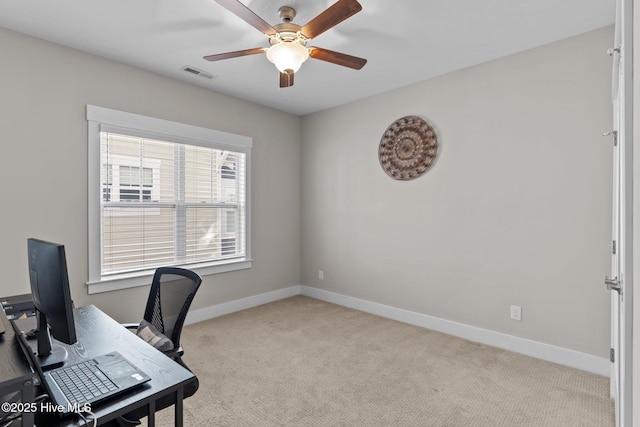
point(167, 203)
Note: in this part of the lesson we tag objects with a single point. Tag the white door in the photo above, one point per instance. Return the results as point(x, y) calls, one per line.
point(619, 280)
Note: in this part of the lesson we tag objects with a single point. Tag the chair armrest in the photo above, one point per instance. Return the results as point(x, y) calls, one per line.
point(130, 325)
point(174, 352)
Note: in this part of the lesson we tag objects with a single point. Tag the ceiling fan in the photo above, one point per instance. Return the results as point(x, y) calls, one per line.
point(288, 41)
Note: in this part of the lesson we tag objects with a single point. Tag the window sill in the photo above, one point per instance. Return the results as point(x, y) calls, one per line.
point(143, 278)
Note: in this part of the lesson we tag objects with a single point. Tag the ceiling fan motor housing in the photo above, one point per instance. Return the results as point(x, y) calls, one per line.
point(287, 33)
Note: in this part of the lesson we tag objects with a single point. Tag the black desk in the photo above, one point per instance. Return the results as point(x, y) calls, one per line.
point(98, 334)
point(17, 381)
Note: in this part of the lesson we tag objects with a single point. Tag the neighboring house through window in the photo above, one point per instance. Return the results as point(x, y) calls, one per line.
point(123, 179)
point(164, 193)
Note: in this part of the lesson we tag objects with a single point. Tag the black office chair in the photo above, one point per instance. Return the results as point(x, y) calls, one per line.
point(170, 297)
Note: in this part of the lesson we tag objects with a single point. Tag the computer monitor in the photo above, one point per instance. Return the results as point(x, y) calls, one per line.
point(52, 301)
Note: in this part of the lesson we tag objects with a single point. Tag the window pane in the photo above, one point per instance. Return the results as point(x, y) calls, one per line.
point(147, 177)
point(201, 183)
point(135, 237)
point(207, 230)
point(129, 175)
point(231, 218)
point(202, 231)
point(204, 188)
point(228, 246)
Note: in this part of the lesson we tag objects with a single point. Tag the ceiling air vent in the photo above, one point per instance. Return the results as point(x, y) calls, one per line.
point(197, 72)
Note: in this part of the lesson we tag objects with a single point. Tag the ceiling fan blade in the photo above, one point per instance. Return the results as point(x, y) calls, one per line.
point(286, 79)
point(337, 58)
point(237, 53)
point(248, 16)
point(331, 17)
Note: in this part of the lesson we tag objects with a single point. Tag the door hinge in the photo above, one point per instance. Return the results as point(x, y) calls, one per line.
point(614, 284)
point(614, 247)
point(612, 355)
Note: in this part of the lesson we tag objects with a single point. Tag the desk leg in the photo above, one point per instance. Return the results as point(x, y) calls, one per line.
point(151, 418)
point(28, 395)
point(179, 408)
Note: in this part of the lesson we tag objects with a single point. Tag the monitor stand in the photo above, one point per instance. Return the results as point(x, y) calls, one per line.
point(54, 359)
point(50, 356)
point(58, 353)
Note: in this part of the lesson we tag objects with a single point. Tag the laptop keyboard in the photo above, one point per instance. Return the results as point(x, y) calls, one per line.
point(82, 382)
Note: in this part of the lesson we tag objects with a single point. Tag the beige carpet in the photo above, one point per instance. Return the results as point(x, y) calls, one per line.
point(304, 362)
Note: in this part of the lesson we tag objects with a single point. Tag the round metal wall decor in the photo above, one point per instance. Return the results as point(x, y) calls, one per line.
point(408, 148)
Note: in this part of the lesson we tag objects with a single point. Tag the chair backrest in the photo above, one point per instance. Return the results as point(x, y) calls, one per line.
point(172, 292)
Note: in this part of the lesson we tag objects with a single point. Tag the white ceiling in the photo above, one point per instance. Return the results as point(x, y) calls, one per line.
point(405, 41)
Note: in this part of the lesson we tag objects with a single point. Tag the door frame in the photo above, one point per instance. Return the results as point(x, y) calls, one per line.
point(622, 304)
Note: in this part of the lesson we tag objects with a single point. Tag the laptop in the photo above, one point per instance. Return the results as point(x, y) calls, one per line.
point(77, 385)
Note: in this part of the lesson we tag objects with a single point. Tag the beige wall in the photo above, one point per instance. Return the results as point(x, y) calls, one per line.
point(515, 211)
point(44, 90)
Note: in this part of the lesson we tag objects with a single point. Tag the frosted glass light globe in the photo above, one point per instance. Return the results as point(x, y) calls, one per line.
point(287, 56)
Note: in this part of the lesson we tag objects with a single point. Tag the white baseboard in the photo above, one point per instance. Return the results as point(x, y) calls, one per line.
point(206, 313)
point(551, 353)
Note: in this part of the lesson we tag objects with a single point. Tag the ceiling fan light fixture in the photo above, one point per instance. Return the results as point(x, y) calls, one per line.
point(287, 56)
point(288, 40)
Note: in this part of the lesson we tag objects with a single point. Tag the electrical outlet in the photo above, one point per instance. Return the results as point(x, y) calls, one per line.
point(516, 312)
point(320, 274)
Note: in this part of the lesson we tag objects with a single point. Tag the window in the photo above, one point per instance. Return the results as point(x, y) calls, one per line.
point(164, 193)
point(135, 183)
point(123, 179)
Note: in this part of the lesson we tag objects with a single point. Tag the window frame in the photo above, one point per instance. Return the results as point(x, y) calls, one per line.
point(104, 119)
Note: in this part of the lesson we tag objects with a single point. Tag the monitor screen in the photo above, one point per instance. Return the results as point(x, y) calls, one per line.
point(51, 298)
